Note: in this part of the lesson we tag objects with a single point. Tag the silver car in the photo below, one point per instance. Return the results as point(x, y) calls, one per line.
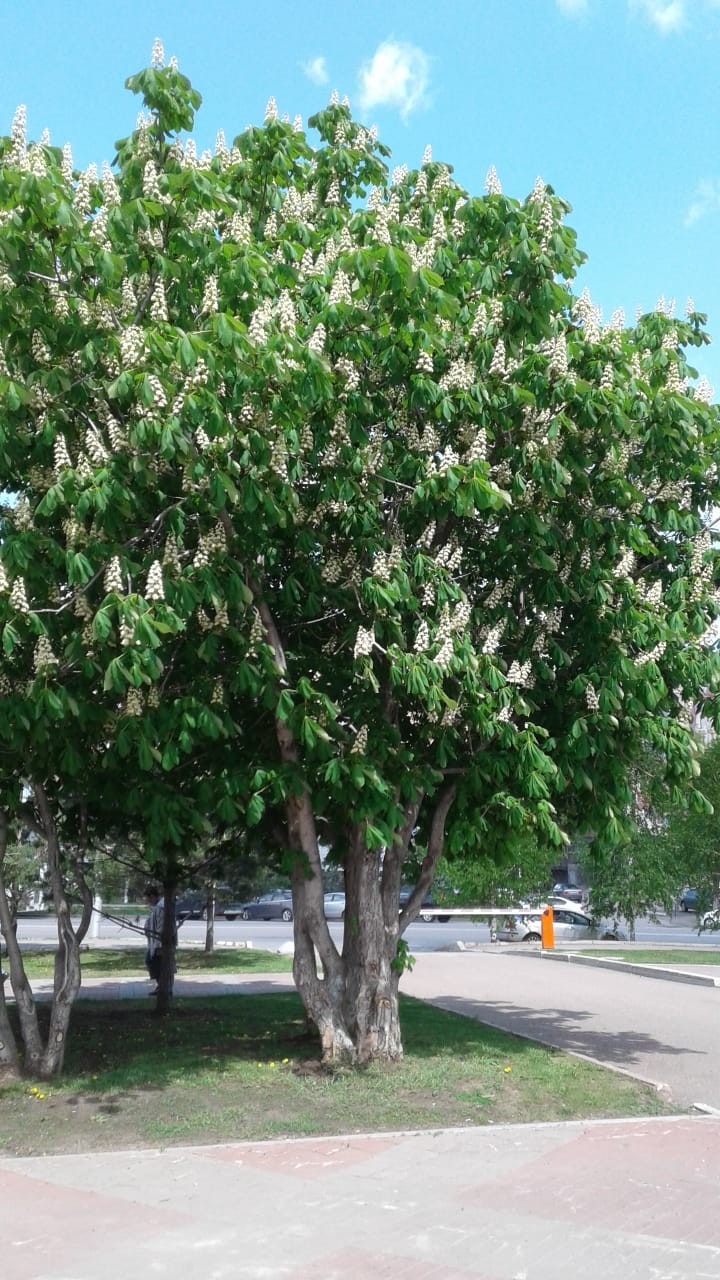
point(334, 906)
point(568, 926)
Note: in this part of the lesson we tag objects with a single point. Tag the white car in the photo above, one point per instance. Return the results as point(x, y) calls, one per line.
point(334, 906)
point(569, 925)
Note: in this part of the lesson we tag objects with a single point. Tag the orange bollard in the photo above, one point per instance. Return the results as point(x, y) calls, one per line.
point(547, 932)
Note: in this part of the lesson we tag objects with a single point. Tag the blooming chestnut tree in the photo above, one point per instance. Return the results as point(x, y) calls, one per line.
point(330, 486)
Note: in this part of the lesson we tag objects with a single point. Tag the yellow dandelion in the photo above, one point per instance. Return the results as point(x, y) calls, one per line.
point(271, 1064)
point(285, 1061)
point(507, 1070)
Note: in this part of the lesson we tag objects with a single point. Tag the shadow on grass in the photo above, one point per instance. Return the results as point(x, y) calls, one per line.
point(119, 1045)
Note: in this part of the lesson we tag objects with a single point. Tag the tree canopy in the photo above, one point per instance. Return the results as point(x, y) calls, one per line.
point(336, 508)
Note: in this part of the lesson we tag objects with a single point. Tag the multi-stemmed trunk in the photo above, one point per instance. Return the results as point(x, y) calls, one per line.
point(43, 1056)
point(353, 996)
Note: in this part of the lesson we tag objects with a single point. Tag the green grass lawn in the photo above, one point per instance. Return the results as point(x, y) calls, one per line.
point(657, 955)
point(246, 1067)
point(108, 962)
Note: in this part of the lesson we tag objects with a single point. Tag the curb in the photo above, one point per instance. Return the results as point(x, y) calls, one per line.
point(627, 966)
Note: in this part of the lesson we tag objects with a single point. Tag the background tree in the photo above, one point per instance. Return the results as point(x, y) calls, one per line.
point(349, 515)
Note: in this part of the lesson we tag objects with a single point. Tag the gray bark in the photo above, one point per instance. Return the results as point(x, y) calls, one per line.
point(67, 957)
point(27, 1013)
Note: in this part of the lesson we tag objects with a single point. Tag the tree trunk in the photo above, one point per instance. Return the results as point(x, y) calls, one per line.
point(9, 1057)
point(67, 957)
point(27, 1013)
point(356, 1005)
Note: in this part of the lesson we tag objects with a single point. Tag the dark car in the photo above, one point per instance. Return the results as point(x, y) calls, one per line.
point(271, 906)
point(572, 892)
point(428, 901)
point(192, 904)
point(689, 900)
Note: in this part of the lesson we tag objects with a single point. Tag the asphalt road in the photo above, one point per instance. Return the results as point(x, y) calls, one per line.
point(269, 935)
point(667, 1032)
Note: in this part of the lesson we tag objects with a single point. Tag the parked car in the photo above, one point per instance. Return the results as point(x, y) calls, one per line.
point(689, 899)
point(568, 926)
point(192, 904)
point(334, 906)
point(271, 906)
point(428, 901)
point(572, 892)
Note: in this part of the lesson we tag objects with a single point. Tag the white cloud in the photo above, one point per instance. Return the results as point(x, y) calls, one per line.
point(706, 200)
point(666, 15)
point(572, 7)
point(316, 70)
point(397, 75)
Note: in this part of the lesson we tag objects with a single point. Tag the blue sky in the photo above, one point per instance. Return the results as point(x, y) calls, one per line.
point(613, 102)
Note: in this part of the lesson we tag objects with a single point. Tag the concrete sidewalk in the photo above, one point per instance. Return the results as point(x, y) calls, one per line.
point(628, 1200)
point(625, 1200)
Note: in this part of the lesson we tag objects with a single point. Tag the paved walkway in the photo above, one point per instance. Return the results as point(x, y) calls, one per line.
point(625, 1200)
point(633, 1200)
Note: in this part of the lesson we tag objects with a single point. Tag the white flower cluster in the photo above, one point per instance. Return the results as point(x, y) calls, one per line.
point(652, 655)
point(61, 457)
point(422, 639)
point(497, 364)
point(625, 565)
point(559, 356)
point(211, 543)
point(113, 579)
point(257, 632)
point(155, 589)
point(82, 198)
point(504, 715)
point(340, 289)
point(349, 372)
point(217, 696)
point(592, 701)
point(18, 597)
point(132, 345)
point(704, 391)
point(127, 634)
point(589, 316)
point(494, 636)
point(460, 375)
point(424, 362)
point(4, 580)
point(158, 392)
point(287, 314)
point(158, 304)
point(653, 595)
point(43, 658)
point(316, 343)
point(519, 673)
point(210, 300)
point(492, 182)
point(359, 746)
point(607, 379)
point(39, 348)
point(447, 459)
point(96, 450)
point(674, 383)
point(133, 702)
point(260, 322)
point(240, 229)
point(364, 642)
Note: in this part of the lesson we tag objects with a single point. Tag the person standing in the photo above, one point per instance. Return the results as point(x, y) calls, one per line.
point(153, 934)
